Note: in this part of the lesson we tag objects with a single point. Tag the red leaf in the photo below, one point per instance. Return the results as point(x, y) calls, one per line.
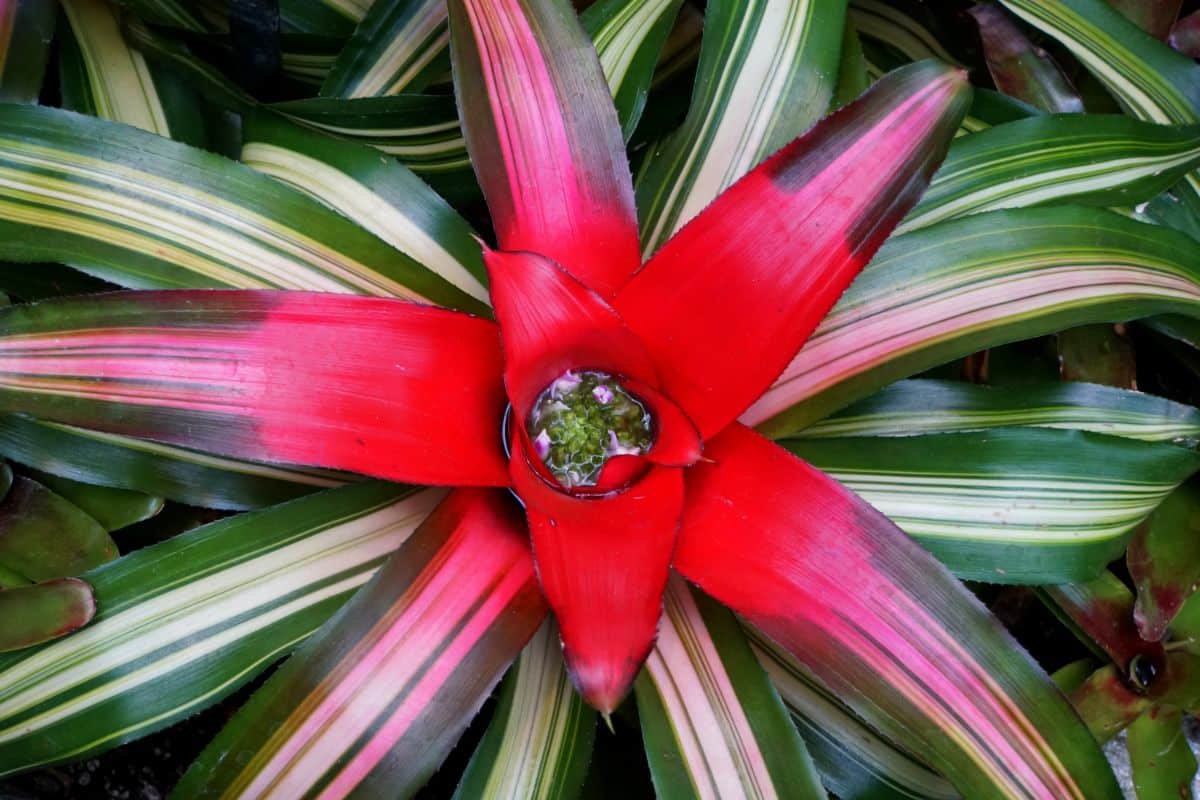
point(602, 563)
point(544, 137)
point(378, 386)
point(728, 301)
point(881, 622)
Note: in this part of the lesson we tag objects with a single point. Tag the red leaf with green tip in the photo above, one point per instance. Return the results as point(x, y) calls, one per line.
point(374, 701)
point(544, 137)
point(43, 536)
point(1019, 68)
point(1103, 610)
point(36, 614)
point(881, 622)
point(373, 385)
point(603, 563)
point(725, 304)
point(1164, 560)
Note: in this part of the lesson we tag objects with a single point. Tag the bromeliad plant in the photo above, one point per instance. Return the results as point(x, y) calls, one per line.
point(608, 492)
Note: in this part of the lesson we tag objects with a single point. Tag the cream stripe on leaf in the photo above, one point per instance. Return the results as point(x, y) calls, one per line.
point(335, 18)
point(890, 23)
point(1148, 78)
point(399, 46)
point(767, 72)
point(122, 88)
point(955, 288)
point(146, 212)
point(184, 623)
point(629, 36)
point(381, 195)
point(714, 728)
point(374, 701)
point(539, 742)
point(1009, 505)
point(1067, 158)
point(853, 758)
point(176, 473)
point(912, 407)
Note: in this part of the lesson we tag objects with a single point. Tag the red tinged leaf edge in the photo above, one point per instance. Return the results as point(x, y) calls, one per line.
point(544, 138)
point(373, 702)
point(603, 563)
point(45, 611)
point(372, 385)
point(725, 305)
point(881, 622)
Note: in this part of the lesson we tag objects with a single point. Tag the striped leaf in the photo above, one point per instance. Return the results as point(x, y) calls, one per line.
point(26, 30)
point(138, 465)
point(956, 288)
point(375, 700)
point(325, 17)
point(399, 46)
point(712, 724)
point(39, 613)
point(308, 59)
point(184, 623)
point(893, 24)
point(1011, 505)
point(767, 72)
point(539, 742)
point(1070, 158)
point(146, 212)
point(911, 407)
point(187, 15)
point(173, 54)
point(1149, 79)
point(381, 195)
point(120, 86)
point(629, 36)
point(854, 760)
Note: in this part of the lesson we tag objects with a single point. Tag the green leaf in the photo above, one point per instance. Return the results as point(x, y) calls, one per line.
point(1150, 80)
point(1019, 68)
point(897, 25)
point(853, 78)
point(377, 193)
point(36, 614)
point(713, 725)
point(539, 742)
point(112, 508)
point(308, 59)
point(1160, 756)
point(399, 46)
point(184, 623)
point(855, 761)
point(146, 212)
point(1106, 703)
point(914, 407)
point(327, 17)
point(138, 465)
point(186, 15)
point(1164, 560)
point(377, 698)
point(26, 30)
point(44, 536)
point(629, 36)
point(1011, 505)
point(953, 289)
point(1088, 159)
point(767, 72)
